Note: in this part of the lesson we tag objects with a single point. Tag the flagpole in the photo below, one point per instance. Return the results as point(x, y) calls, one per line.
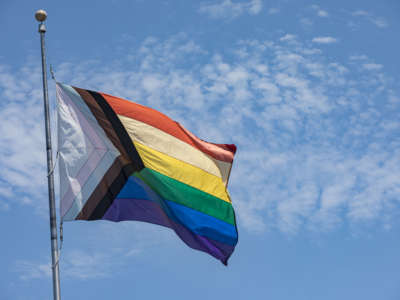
point(41, 16)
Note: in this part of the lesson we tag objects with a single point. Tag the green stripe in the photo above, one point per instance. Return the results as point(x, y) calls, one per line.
point(181, 193)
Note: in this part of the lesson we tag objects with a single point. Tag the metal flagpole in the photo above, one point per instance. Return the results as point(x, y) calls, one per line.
point(41, 16)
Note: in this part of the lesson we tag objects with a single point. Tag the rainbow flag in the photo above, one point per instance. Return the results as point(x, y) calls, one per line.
point(119, 160)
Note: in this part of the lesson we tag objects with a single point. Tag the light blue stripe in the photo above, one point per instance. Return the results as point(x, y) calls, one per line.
point(89, 186)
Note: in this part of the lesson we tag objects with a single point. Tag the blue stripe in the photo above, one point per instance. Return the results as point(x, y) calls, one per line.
point(198, 222)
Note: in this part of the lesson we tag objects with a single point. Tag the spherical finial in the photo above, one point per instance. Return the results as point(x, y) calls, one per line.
point(41, 15)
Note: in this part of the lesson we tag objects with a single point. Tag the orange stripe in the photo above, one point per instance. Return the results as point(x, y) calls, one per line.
point(156, 119)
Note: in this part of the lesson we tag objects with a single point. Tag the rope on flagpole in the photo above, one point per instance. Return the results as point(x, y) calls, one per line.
point(52, 170)
point(57, 152)
point(52, 73)
point(61, 235)
point(61, 244)
point(54, 165)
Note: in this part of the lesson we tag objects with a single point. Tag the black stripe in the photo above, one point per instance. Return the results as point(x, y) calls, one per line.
point(112, 193)
point(119, 130)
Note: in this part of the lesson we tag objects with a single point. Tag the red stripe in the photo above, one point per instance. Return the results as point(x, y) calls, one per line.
point(152, 117)
point(222, 152)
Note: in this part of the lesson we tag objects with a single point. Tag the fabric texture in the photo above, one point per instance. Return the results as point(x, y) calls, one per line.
point(122, 161)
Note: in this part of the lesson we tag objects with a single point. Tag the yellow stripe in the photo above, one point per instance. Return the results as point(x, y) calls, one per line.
point(163, 142)
point(182, 172)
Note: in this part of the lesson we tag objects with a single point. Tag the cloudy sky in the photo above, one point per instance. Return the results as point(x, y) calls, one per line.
point(308, 91)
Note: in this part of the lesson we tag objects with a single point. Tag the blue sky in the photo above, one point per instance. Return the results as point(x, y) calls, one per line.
point(308, 91)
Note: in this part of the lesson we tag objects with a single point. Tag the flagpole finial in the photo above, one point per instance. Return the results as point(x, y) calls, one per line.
point(41, 15)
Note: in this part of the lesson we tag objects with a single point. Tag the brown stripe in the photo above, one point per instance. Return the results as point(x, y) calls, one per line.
point(119, 130)
point(112, 193)
point(121, 162)
point(102, 190)
point(103, 121)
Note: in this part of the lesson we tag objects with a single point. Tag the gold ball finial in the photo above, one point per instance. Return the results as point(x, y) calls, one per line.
point(41, 15)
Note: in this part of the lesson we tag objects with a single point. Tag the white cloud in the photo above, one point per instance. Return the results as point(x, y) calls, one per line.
point(324, 40)
point(320, 12)
point(103, 248)
point(152, 84)
point(288, 37)
point(310, 155)
point(360, 13)
point(306, 22)
point(372, 66)
point(82, 265)
point(28, 270)
point(358, 57)
point(377, 21)
point(255, 7)
point(75, 264)
point(273, 10)
point(22, 154)
point(231, 9)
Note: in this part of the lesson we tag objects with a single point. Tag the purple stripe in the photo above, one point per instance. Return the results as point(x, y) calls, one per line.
point(151, 212)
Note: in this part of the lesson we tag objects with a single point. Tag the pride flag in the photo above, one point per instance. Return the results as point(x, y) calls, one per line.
point(120, 160)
